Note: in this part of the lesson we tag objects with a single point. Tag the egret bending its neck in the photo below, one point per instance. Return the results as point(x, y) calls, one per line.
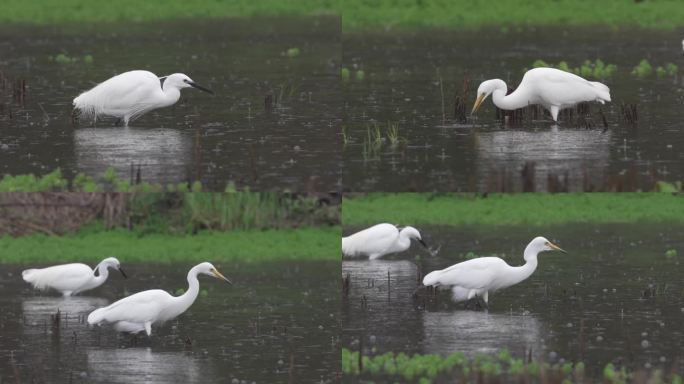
point(184, 301)
point(517, 99)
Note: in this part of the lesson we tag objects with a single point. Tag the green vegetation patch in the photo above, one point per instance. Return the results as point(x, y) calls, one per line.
point(512, 209)
point(127, 246)
point(357, 14)
point(591, 70)
point(502, 367)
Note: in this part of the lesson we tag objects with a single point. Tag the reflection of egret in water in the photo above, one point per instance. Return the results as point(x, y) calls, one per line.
point(164, 154)
point(142, 365)
point(481, 332)
point(373, 274)
point(554, 151)
point(37, 310)
point(370, 310)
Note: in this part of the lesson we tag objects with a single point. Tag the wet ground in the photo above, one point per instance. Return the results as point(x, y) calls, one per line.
point(411, 81)
point(273, 122)
point(277, 323)
point(615, 297)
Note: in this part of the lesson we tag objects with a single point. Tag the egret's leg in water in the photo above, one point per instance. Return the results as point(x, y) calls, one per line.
point(554, 112)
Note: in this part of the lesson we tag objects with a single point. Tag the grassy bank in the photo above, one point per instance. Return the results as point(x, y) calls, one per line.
point(512, 209)
point(498, 368)
point(359, 14)
point(245, 246)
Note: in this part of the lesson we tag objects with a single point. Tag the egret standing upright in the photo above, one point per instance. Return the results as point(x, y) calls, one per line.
point(137, 313)
point(549, 87)
point(477, 277)
point(132, 94)
point(380, 240)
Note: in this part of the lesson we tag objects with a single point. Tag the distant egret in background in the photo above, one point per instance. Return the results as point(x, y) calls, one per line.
point(132, 94)
point(137, 313)
point(477, 277)
point(380, 240)
point(549, 87)
point(71, 279)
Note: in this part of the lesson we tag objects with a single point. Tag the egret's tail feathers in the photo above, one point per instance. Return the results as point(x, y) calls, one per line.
point(34, 277)
point(432, 278)
point(602, 90)
point(29, 275)
point(96, 316)
point(348, 248)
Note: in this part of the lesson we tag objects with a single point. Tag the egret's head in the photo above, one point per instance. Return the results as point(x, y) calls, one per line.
point(485, 89)
point(541, 244)
point(413, 233)
point(113, 262)
point(180, 81)
point(209, 269)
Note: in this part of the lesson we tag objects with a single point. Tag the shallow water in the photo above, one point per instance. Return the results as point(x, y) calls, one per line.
point(615, 297)
point(437, 152)
point(231, 136)
point(277, 323)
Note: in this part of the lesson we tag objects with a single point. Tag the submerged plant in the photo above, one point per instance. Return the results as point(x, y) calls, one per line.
point(503, 367)
point(62, 58)
point(596, 69)
point(643, 69)
point(393, 134)
point(345, 74)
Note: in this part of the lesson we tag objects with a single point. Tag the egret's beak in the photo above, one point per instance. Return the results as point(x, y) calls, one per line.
point(123, 273)
point(201, 88)
point(218, 275)
point(478, 103)
point(422, 242)
point(555, 247)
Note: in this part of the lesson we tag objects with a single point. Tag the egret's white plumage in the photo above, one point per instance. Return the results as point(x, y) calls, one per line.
point(379, 240)
point(549, 87)
point(132, 94)
point(478, 277)
point(137, 313)
point(71, 279)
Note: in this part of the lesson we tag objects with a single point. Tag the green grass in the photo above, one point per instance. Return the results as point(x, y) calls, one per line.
point(360, 14)
point(127, 246)
point(512, 209)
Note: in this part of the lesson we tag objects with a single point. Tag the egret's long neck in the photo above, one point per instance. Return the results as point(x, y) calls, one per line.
point(172, 94)
point(404, 241)
point(184, 301)
point(518, 99)
point(526, 270)
point(102, 274)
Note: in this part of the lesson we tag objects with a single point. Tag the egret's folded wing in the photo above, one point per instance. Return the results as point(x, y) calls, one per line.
point(470, 274)
point(138, 308)
point(375, 239)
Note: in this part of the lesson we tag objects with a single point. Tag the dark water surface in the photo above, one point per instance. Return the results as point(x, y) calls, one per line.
point(232, 136)
point(278, 323)
point(402, 87)
point(615, 297)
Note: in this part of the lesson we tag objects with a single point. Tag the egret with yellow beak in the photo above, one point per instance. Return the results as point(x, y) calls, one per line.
point(477, 277)
point(137, 313)
point(551, 88)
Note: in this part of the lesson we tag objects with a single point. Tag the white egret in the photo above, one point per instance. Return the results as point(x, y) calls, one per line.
point(477, 277)
point(549, 87)
point(132, 94)
point(71, 279)
point(137, 313)
point(380, 240)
